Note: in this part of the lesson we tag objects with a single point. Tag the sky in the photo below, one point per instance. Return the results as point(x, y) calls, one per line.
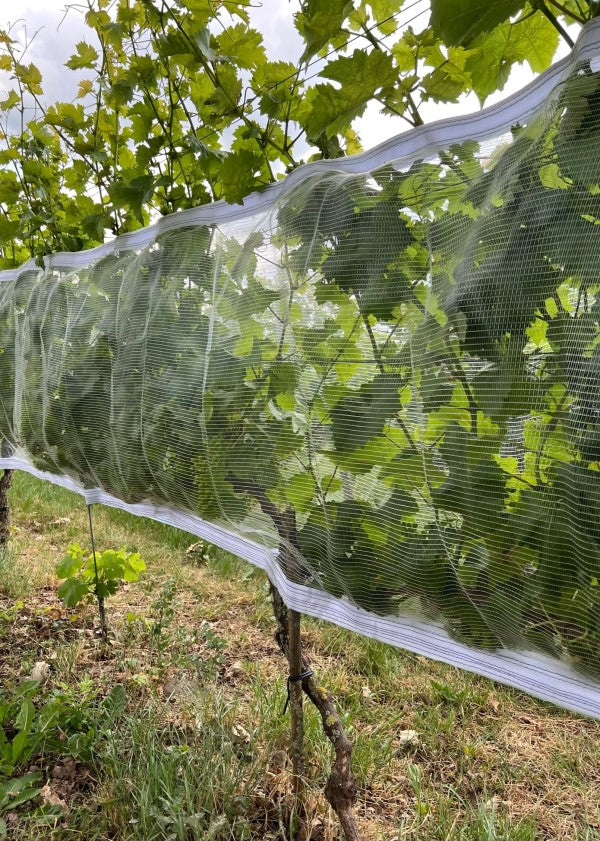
point(57, 33)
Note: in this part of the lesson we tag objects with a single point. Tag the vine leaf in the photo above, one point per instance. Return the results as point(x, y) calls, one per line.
point(458, 22)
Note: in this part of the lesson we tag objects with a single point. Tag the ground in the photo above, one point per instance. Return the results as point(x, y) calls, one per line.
point(175, 731)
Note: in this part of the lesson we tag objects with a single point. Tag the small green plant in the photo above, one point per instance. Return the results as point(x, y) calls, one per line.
point(182, 643)
point(199, 553)
point(60, 723)
point(89, 576)
point(14, 792)
point(64, 722)
point(18, 742)
point(163, 610)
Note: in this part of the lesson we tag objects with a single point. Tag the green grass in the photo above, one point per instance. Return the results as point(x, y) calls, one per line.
point(199, 751)
point(179, 782)
point(15, 582)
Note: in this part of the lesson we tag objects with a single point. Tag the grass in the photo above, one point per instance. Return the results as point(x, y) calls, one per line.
point(176, 782)
point(12, 575)
point(198, 751)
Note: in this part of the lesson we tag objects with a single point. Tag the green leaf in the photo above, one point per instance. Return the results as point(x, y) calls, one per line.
point(450, 79)
point(283, 378)
point(113, 33)
point(300, 490)
point(319, 22)
point(84, 88)
point(66, 115)
point(94, 225)
point(115, 703)
point(202, 38)
point(492, 56)
point(24, 796)
point(331, 110)
point(68, 567)
point(134, 566)
point(385, 13)
point(274, 82)
point(353, 70)
point(73, 591)
point(239, 173)
point(30, 77)
point(360, 416)
point(458, 22)
point(8, 230)
point(224, 99)
point(25, 715)
point(12, 98)
point(132, 195)
point(85, 57)
point(242, 45)
point(11, 788)
point(19, 743)
point(475, 487)
point(551, 178)
point(19, 790)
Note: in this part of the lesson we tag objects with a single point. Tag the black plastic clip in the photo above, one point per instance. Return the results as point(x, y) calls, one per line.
point(294, 679)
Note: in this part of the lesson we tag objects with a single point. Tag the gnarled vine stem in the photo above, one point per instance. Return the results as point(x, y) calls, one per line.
point(340, 789)
point(5, 483)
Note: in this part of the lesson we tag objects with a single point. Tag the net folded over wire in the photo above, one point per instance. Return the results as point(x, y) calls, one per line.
point(379, 380)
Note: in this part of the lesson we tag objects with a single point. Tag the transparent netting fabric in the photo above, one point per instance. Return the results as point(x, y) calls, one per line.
point(383, 386)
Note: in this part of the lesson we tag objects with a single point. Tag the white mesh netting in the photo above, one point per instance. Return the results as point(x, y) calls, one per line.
point(379, 380)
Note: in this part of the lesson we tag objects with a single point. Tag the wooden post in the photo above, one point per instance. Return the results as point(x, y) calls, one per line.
point(5, 483)
point(296, 708)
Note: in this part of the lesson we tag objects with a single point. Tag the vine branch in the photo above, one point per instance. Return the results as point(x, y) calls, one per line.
point(555, 22)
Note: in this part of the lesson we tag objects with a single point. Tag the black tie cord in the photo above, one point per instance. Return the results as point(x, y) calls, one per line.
point(294, 679)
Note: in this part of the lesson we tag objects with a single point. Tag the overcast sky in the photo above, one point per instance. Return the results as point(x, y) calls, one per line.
point(58, 33)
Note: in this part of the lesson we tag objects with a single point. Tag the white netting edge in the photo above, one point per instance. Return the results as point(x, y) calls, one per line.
point(541, 676)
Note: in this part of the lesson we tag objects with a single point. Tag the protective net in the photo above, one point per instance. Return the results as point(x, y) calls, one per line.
point(379, 380)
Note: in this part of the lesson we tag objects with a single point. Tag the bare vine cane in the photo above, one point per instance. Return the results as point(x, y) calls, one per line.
point(340, 789)
point(5, 483)
point(99, 598)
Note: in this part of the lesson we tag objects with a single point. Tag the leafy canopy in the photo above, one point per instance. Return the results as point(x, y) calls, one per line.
point(394, 379)
point(178, 103)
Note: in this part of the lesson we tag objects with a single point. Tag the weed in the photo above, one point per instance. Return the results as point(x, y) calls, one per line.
point(163, 610)
point(37, 728)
